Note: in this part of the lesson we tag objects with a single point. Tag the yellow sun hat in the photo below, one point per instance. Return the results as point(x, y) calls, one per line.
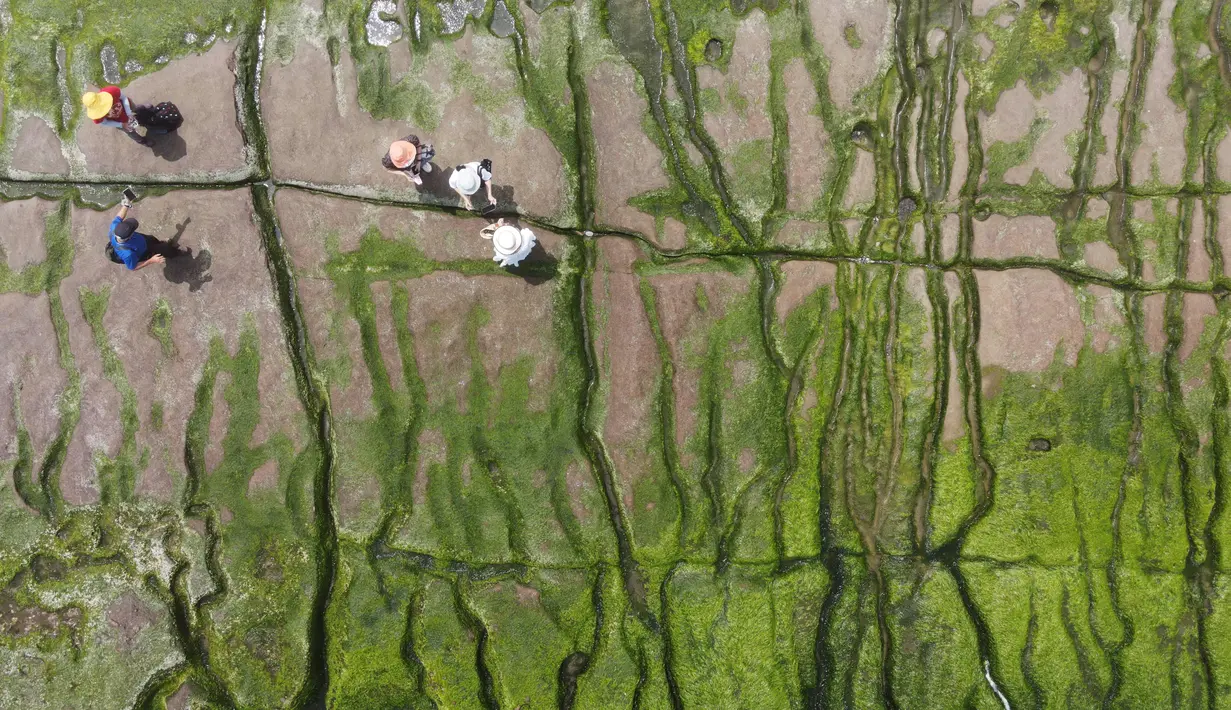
point(97, 104)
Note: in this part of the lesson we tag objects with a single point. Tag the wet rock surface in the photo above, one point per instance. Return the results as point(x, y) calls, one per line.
point(824, 386)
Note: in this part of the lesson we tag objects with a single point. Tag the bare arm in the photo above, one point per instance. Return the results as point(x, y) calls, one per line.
point(123, 213)
point(490, 199)
point(156, 259)
point(404, 174)
point(128, 110)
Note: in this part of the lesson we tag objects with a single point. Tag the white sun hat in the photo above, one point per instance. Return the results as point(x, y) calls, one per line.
point(467, 178)
point(511, 244)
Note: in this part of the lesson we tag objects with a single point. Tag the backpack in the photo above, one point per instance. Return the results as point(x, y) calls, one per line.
point(164, 115)
point(110, 252)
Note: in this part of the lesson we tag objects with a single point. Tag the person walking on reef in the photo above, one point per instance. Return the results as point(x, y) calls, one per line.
point(112, 108)
point(466, 180)
point(129, 247)
point(409, 158)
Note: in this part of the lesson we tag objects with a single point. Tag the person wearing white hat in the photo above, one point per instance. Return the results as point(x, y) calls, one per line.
point(466, 180)
point(510, 244)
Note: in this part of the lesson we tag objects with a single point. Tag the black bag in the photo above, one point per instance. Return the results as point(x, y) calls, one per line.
point(165, 116)
point(110, 252)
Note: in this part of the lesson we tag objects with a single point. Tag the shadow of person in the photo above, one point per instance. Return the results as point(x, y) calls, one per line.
point(168, 146)
point(185, 268)
point(537, 268)
point(182, 267)
point(436, 183)
point(506, 204)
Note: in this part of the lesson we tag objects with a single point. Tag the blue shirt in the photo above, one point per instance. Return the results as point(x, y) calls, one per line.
point(131, 250)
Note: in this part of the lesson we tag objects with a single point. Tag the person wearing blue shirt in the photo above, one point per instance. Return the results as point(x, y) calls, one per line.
point(134, 250)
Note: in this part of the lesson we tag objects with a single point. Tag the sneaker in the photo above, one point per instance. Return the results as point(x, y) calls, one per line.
point(426, 168)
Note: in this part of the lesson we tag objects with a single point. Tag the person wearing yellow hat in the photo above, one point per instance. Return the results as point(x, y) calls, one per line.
point(409, 158)
point(110, 107)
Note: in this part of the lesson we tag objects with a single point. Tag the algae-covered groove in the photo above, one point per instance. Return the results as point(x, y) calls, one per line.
point(1217, 44)
point(793, 375)
point(316, 404)
point(668, 648)
point(1198, 574)
point(861, 306)
point(187, 625)
point(1026, 662)
point(949, 553)
point(1220, 426)
point(632, 28)
point(1107, 648)
point(70, 408)
point(685, 80)
point(948, 109)
point(1097, 88)
point(1125, 139)
point(902, 60)
point(794, 392)
point(489, 694)
point(151, 695)
point(885, 484)
point(578, 662)
point(586, 153)
point(666, 416)
point(250, 60)
point(856, 648)
point(1126, 284)
point(410, 656)
point(941, 328)
point(711, 483)
point(768, 281)
point(1085, 667)
point(596, 450)
point(817, 696)
point(1132, 469)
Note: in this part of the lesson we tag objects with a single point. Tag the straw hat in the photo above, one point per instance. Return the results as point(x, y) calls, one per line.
point(465, 180)
point(401, 153)
point(97, 104)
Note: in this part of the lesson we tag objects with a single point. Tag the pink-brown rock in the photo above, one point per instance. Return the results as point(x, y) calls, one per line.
point(1026, 316)
point(207, 147)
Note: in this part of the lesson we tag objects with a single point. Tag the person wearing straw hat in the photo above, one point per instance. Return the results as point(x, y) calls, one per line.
point(110, 107)
point(131, 248)
point(409, 158)
point(466, 180)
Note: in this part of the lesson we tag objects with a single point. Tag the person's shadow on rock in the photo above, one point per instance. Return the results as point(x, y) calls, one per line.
point(169, 146)
point(538, 267)
point(436, 183)
point(182, 267)
point(506, 205)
